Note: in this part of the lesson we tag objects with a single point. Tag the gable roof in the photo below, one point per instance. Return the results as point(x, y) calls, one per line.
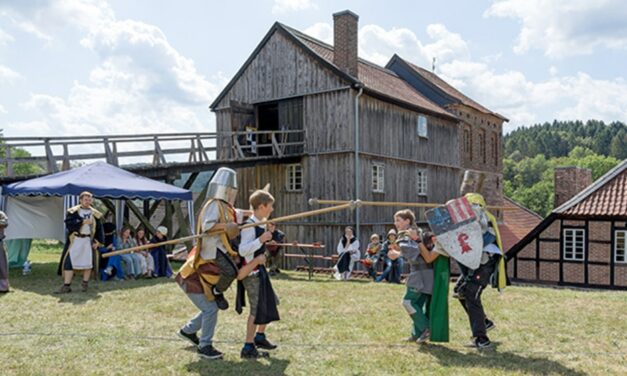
point(376, 81)
point(442, 86)
point(517, 223)
point(605, 197)
point(277, 27)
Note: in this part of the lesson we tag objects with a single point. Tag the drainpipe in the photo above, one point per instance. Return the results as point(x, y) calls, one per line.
point(357, 174)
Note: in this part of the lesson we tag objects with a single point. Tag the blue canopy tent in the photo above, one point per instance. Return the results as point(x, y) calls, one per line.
point(35, 215)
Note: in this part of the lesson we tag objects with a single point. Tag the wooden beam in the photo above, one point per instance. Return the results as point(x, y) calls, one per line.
point(190, 180)
point(143, 220)
point(111, 207)
point(183, 222)
point(52, 167)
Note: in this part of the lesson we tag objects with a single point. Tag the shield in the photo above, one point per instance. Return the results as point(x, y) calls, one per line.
point(457, 230)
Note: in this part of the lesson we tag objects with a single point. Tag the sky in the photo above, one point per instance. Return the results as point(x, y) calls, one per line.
point(87, 67)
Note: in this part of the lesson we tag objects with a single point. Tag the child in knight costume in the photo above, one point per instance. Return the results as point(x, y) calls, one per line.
point(256, 283)
point(420, 280)
point(210, 269)
point(471, 283)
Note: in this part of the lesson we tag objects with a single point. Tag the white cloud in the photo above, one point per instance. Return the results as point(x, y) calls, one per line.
point(30, 28)
point(566, 27)
point(5, 38)
point(377, 44)
point(142, 84)
point(510, 92)
point(8, 75)
point(284, 6)
point(3, 111)
point(322, 31)
point(525, 102)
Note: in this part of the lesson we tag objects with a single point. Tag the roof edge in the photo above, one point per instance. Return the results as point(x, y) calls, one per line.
point(517, 204)
point(513, 251)
point(397, 57)
point(277, 26)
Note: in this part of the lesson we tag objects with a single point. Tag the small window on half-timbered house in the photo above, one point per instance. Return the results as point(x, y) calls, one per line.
point(294, 178)
point(574, 244)
point(421, 182)
point(421, 126)
point(620, 246)
point(378, 178)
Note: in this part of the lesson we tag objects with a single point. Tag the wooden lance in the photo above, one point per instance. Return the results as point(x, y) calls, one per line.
point(343, 206)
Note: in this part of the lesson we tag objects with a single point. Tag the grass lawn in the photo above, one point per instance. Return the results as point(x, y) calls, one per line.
point(327, 328)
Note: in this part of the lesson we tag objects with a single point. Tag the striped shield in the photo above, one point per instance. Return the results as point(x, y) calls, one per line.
point(457, 230)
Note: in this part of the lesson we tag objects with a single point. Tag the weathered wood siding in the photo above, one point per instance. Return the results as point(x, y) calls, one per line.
point(401, 185)
point(332, 177)
point(223, 124)
point(329, 121)
point(387, 129)
point(279, 70)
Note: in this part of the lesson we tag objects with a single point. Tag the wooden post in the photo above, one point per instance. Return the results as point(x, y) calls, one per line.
point(276, 147)
point(9, 162)
point(158, 157)
point(202, 154)
point(192, 152)
point(66, 158)
point(52, 166)
point(115, 154)
point(108, 153)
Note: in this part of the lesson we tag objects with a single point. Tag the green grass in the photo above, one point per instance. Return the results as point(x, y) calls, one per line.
point(327, 328)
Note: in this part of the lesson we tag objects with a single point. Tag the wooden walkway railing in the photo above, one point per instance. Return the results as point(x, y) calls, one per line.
point(58, 153)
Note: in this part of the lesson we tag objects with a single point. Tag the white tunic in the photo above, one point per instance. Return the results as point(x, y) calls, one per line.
point(80, 251)
point(210, 218)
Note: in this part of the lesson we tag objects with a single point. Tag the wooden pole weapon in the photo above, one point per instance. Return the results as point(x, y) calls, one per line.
point(316, 201)
point(343, 206)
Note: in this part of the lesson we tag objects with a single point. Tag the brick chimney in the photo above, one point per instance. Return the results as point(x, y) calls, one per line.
point(345, 41)
point(569, 181)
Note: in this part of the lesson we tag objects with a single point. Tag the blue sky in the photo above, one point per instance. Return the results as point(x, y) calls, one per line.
point(120, 66)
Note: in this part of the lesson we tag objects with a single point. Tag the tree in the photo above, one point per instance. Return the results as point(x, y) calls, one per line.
point(23, 168)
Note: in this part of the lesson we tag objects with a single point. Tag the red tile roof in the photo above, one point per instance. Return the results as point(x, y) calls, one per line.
point(516, 223)
point(605, 197)
point(448, 89)
point(376, 78)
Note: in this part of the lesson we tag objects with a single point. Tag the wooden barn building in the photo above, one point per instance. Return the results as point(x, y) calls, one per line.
point(583, 242)
point(359, 130)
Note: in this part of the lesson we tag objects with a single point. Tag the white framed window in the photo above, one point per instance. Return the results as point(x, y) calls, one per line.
point(378, 177)
point(574, 244)
point(421, 126)
point(421, 182)
point(620, 246)
point(294, 177)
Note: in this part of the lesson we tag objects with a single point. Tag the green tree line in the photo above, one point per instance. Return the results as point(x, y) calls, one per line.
point(532, 154)
point(559, 138)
